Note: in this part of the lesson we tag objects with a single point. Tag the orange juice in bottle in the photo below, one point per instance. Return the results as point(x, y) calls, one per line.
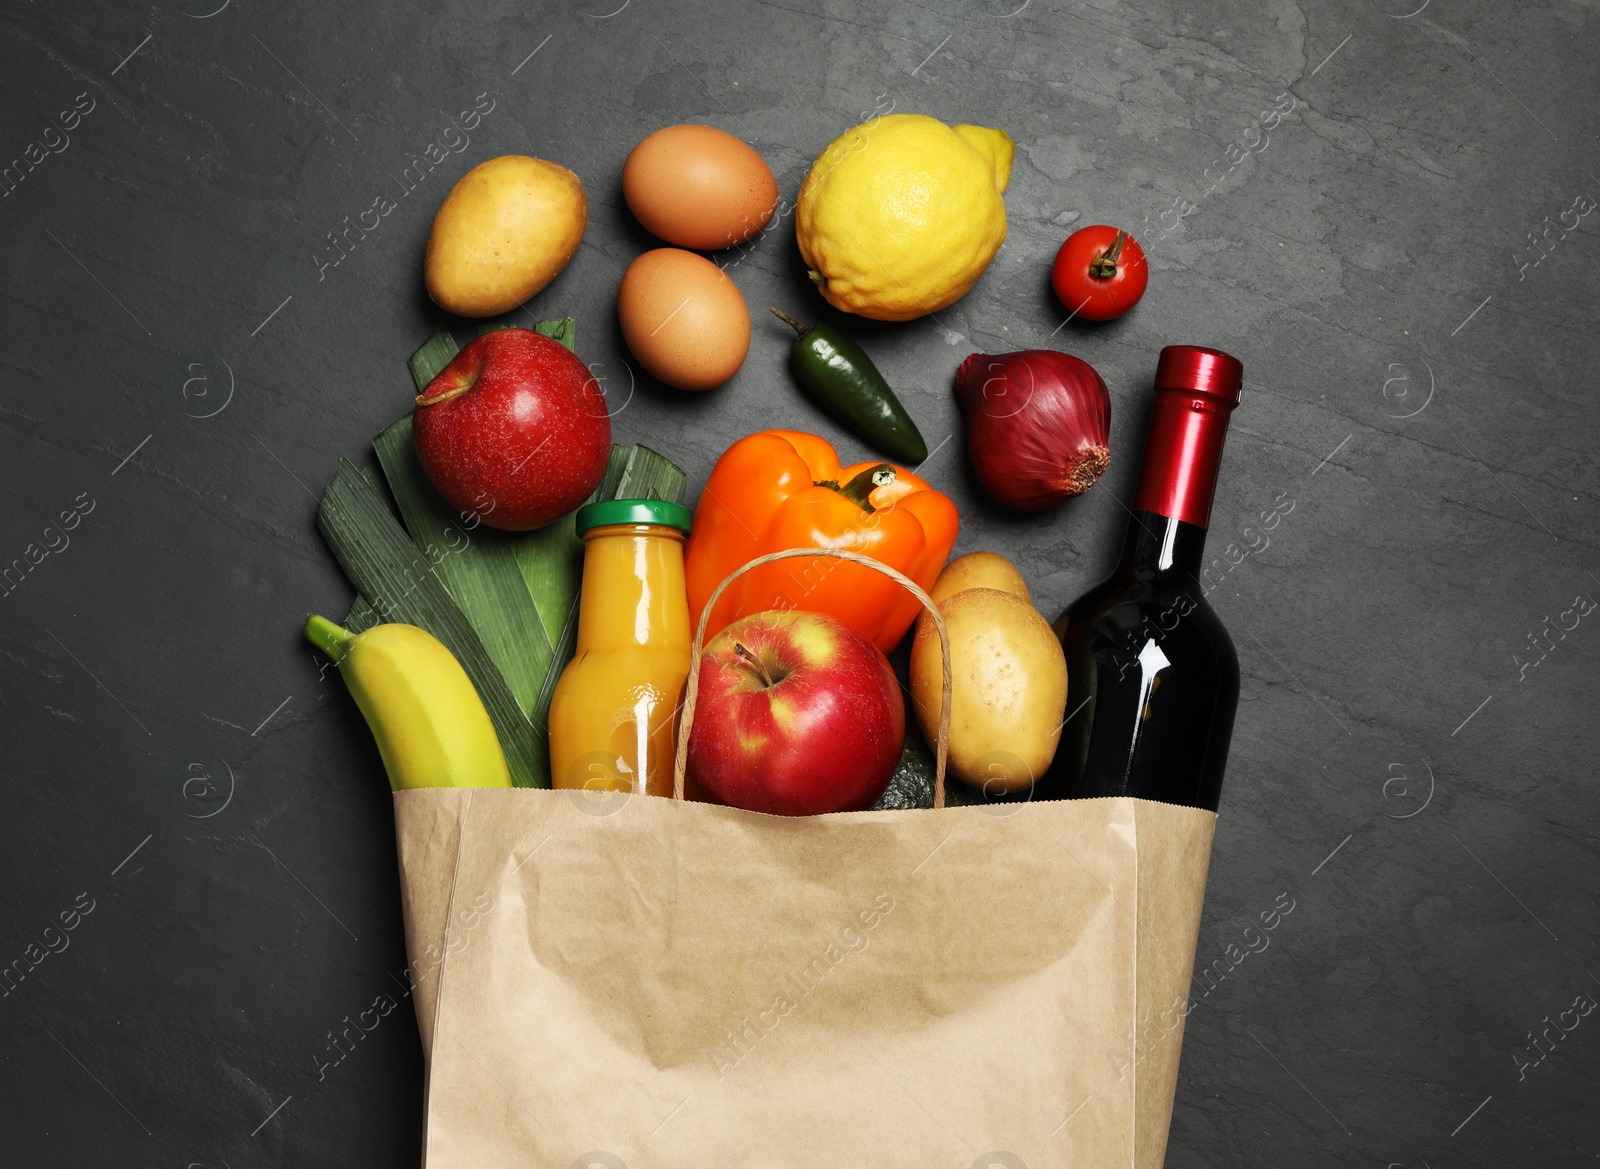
point(613, 716)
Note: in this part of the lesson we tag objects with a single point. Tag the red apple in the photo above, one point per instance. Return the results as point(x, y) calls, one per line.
point(513, 431)
point(795, 715)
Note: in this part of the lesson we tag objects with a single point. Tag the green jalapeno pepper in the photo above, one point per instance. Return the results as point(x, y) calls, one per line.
point(841, 377)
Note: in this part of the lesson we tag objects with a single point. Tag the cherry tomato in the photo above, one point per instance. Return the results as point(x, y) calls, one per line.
point(1100, 273)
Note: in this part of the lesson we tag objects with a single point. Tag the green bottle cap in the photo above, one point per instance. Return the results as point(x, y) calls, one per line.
point(633, 511)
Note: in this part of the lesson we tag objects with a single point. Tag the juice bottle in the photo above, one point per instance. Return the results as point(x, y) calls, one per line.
point(613, 716)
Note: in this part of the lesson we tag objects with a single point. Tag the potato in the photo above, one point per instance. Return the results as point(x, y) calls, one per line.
point(979, 570)
point(1008, 688)
point(503, 232)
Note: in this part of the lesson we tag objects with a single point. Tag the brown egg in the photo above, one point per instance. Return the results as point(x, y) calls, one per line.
point(699, 187)
point(684, 319)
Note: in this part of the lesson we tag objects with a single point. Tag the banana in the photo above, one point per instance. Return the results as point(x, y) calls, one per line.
point(431, 727)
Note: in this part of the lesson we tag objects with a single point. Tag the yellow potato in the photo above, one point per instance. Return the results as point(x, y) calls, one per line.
point(504, 232)
point(979, 570)
point(1008, 688)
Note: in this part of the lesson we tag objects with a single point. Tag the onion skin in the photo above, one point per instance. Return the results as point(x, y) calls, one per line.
point(1038, 425)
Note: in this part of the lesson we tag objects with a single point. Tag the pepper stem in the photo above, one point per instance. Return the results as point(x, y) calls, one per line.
point(333, 640)
point(1104, 264)
point(859, 490)
point(799, 329)
point(754, 663)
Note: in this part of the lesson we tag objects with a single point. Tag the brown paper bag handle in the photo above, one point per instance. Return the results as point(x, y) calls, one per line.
point(692, 686)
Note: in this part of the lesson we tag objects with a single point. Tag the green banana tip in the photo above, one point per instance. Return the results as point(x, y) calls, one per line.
point(333, 640)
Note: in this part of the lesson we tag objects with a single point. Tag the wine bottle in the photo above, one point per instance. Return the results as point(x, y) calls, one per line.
point(1152, 677)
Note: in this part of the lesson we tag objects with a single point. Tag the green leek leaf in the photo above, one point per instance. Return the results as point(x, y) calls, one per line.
point(362, 616)
point(564, 649)
point(564, 330)
point(375, 481)
point(551, 563)
point(651, 475)
point(436, 353)
point(387, 568)
point(477, 564)
point(616, 467)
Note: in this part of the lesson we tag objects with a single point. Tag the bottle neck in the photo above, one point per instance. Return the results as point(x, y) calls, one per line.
point(633, 589)
point(1162, 546)
point(1172, 507)
point(1182, 454)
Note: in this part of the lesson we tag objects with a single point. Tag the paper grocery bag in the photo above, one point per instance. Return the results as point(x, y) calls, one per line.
point(617, 980)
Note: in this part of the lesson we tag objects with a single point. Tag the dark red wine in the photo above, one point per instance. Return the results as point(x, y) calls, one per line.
point(1152, 677)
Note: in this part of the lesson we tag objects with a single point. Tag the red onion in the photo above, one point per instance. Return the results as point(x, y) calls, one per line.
point(1037, 425)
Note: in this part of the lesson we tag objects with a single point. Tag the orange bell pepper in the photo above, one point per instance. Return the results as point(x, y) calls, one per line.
point(782, 489)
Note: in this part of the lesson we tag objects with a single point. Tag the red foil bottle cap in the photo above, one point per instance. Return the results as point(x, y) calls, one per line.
point(1196, 390)
point(1205, 371)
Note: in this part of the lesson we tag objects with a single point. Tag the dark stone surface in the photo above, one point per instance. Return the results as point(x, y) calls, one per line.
point(175, 359)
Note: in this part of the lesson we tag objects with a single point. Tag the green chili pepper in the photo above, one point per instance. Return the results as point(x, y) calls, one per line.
point(841, 377)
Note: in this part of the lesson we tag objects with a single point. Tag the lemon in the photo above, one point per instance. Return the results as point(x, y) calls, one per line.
point(901, 215)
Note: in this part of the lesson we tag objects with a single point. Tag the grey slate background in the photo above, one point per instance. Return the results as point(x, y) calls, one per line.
point(1416, 385)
